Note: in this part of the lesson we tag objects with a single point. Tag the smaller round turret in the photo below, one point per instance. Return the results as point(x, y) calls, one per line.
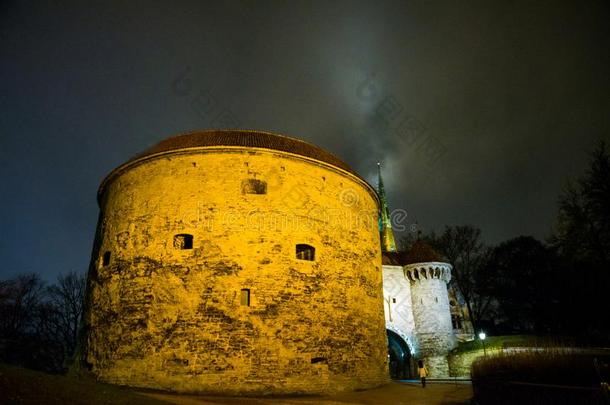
point(428, 276)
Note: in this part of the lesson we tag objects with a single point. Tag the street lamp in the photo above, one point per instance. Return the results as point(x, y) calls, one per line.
point(482, 336)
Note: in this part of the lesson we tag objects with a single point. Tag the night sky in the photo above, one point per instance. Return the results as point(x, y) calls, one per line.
point(480, 113)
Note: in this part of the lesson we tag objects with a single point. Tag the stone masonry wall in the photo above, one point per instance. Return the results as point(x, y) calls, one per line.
point(460, 363)
point(165, 318)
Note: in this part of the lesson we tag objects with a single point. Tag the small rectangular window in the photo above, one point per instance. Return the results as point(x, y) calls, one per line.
point(305, 252)
point(244, 298)
point(106, 259)
point(183, 241)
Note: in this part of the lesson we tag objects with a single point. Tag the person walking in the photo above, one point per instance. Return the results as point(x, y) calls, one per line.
point(423, 372)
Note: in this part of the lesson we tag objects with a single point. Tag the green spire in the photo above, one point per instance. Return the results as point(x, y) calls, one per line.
point(385, 225)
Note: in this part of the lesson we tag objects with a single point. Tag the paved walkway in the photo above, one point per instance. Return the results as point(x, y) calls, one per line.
point(397, 392)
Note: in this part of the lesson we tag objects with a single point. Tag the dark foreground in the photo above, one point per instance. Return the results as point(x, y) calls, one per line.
point(394, 393)
point(22, 386)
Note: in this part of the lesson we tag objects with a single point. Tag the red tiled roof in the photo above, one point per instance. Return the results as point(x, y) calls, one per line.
point(246, 138)
point(243, 138)
point(421, 252)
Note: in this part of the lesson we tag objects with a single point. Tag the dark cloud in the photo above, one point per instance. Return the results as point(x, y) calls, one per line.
point(510, 95)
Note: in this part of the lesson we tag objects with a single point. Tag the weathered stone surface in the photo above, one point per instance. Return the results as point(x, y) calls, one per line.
point(460, 363)
point(165, 318)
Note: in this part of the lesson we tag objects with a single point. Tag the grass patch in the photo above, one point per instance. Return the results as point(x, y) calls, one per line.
point(498, 342)
point(23, 386)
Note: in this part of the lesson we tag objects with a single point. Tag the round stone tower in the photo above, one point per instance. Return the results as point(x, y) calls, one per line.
point(428, 277)
point(236, 262)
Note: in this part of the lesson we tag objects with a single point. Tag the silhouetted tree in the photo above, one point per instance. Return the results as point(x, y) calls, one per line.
point(19, 299)
point(464, 250)
point(583, 224)
point(582, 240)
point(524, 286)
point(66, 297)
point(38, 323)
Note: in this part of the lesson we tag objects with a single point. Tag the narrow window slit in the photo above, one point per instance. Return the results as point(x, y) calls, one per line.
point(106, 258)
point(244, 298)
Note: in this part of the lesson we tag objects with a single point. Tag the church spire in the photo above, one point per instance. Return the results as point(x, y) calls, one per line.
point(385, 225)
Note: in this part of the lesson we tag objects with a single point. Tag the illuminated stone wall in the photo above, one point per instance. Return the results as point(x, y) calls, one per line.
point(398, 306)
point(168, 318)
point(417, 309)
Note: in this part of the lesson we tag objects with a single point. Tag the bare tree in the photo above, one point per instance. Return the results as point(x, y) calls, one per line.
point(582, 240)
point(66, 298)
point(463, 248)
point(38, 324)
point(19, 298)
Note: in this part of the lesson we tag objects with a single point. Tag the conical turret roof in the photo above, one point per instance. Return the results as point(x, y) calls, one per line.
point(421, 252)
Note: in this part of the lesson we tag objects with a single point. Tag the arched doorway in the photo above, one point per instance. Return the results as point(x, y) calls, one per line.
point(399, 356)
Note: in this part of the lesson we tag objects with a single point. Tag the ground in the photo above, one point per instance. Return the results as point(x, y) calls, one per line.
point(21, 386)
point(395, 393)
